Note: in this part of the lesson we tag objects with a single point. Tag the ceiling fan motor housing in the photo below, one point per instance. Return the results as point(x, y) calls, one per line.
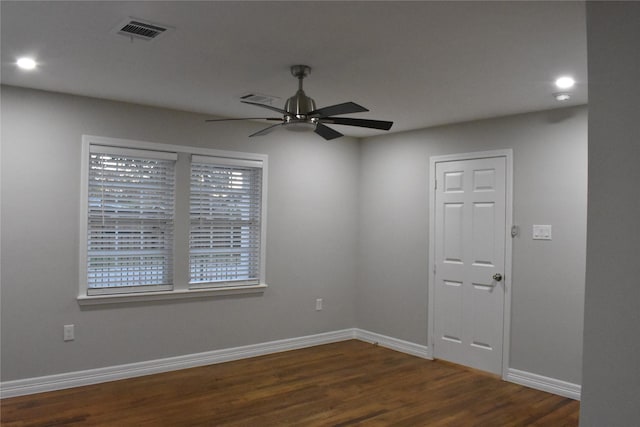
point(299, 105)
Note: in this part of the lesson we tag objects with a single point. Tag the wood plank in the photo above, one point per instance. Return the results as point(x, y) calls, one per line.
point(341, 384)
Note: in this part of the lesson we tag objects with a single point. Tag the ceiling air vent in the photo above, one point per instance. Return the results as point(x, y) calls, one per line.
point(140, 29)
point(259, 98)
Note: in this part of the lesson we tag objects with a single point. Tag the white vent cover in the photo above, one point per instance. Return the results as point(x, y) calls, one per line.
point(141, 29)
point(259, 98)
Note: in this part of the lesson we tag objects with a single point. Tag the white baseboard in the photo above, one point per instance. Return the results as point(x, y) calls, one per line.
point(112, 373)
point(131, 370)
point(394, 343)
point(540, 382)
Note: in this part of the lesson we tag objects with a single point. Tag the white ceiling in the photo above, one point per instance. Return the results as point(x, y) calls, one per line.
point(418, 64)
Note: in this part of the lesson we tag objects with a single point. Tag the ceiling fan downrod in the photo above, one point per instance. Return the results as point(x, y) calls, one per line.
point(299, 105)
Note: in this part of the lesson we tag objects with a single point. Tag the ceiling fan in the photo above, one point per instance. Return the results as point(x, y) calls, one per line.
point(300, 113)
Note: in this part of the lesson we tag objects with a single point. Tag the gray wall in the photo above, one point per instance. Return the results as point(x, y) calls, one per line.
point(550, 178)
point(612, 302)
point(312, 215)
point(347, 222)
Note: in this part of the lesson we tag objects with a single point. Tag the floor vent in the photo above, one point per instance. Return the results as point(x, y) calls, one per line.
point(140, 29)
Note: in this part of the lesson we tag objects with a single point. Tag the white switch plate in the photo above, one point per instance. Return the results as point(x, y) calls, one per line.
point(68, 333)
point(318, 304)
point(541, 232)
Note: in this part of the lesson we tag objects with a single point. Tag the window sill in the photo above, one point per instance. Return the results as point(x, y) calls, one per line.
point(170, 295)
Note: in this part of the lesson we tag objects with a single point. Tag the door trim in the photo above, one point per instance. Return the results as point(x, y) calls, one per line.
point(506, 334)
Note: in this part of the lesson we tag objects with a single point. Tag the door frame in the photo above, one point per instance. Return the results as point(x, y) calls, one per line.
point(506, 321)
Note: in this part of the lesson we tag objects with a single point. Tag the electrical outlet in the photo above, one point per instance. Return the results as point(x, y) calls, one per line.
point(541, 232)
point(318, 304)
point(69, 334)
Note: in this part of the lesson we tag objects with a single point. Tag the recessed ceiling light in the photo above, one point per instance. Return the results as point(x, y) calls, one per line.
point(562, 96)
point(26, 63)
point(565, 82)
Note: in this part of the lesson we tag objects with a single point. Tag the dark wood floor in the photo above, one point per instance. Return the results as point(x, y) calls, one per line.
point(342, 384)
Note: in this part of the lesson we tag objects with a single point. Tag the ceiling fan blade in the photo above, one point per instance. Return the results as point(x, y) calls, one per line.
point(265, 130)
point(365, 123)
point(332, 110)
point(246, 118)
point(269, 107)
point(326, 132)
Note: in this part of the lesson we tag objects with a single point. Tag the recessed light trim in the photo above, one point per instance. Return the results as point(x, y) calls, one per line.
point(26, 63)
point(565, 82)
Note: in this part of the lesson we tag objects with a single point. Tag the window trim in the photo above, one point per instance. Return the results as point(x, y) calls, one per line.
point(181, 288)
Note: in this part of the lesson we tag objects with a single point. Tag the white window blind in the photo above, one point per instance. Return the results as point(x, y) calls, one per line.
point(131, 196)
point(225, 216)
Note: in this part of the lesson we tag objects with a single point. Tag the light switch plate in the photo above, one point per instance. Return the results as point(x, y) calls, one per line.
point(541, 232)
point(69, 333)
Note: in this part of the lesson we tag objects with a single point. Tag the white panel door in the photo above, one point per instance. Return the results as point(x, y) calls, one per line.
point(469, 294)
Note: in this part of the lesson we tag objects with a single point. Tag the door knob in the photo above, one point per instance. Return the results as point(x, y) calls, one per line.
point(497, 277)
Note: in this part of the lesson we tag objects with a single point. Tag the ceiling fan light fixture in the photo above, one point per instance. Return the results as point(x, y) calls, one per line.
point(300, 126)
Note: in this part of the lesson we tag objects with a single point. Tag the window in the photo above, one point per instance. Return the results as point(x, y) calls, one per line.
point(224, 240)
point(166, 221)
point(130, 220)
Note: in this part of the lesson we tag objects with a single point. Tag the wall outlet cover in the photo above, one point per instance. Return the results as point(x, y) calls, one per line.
point(541, 232)
point(69, 333)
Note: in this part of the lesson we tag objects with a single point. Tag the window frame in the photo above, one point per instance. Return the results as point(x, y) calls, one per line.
point(181, 287)
point(218, 165)
point(119, 199)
